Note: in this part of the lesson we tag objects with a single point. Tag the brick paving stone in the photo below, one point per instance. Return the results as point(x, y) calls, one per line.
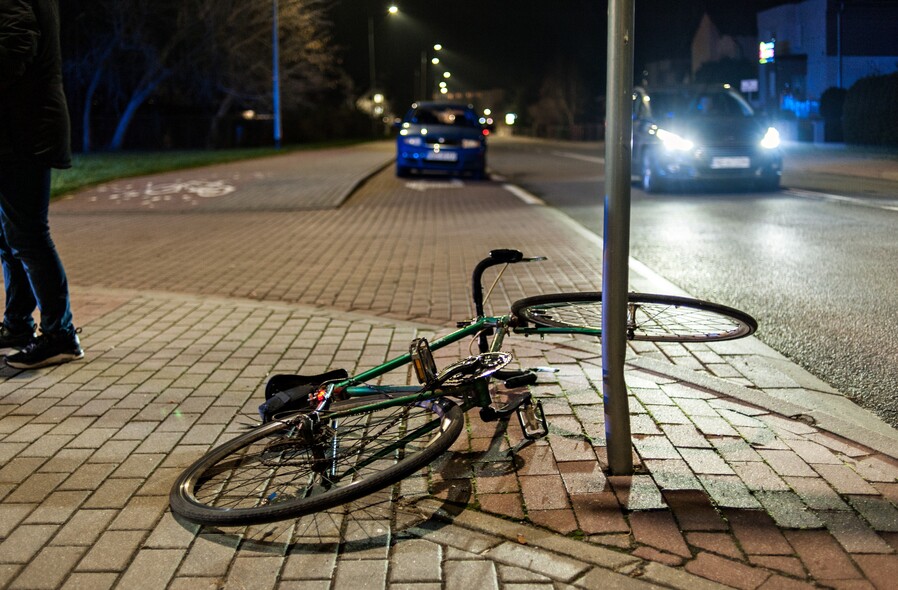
point(713, 426)
point(705, 461)
point(464, 575)
point(685, 435)
point(113, 551)
point(788, 510)
point(509, 505)
point(11, 515)
point(776, 582)
point(599, 513)
point(757, 533)
point(881, 570)
point(562, 521)
point(719, 543)
point(655, 447)
point(57, 508)
point(151, 568)
point(694, 511)
point(786, 463)
point(543, 492)
point(652, 554)
point(49, 568)
point(25, 542)
point(845, 480)
point(556, 567)
point(728, 491)
point(786, 564)
point(824, 559)
point(759, 476)
point(415, 560)
point(853, 533)
point(816, 493)
point(735, 450)
point(94, 581)
point(879, 512)
point(672, 474)
point(658, 529)
point(668, 414)
point(582, 477)
point(726, 571)
point(876, 468)
point(84, 528)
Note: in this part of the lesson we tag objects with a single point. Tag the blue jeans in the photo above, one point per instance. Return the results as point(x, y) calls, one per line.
point(32, 272)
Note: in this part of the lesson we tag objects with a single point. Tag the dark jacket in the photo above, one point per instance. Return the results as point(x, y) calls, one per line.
point(34, 119)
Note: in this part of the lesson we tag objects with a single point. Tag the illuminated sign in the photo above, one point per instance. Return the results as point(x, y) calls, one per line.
point(766, 53)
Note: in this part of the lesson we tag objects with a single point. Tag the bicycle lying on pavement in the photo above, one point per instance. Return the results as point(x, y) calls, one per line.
point(340, 438)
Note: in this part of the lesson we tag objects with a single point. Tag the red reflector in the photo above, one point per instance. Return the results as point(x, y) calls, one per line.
point(486, 131)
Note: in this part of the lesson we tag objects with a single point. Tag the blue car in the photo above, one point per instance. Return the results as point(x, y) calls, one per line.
point(443, 137)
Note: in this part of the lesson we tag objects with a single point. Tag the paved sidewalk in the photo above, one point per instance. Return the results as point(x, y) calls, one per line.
point(189, 303)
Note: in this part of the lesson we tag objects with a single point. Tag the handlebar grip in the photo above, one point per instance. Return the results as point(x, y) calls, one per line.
point(506, 255)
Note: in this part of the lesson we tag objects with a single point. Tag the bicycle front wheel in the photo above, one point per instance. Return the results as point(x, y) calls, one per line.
point(655, 318)
point(295, 467)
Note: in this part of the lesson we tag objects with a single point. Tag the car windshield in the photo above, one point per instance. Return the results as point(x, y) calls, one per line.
point(443, 115)
point(666, 105)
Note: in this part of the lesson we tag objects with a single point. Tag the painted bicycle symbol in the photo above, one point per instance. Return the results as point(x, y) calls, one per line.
point(201, 188)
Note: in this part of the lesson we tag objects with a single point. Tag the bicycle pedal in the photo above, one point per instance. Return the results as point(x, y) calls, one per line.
point(533, 420)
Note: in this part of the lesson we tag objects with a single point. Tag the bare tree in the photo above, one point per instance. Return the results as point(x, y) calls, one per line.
point(213, 52)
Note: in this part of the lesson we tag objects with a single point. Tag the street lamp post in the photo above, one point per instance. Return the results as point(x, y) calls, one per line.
point(275, 77)
point(372, 65)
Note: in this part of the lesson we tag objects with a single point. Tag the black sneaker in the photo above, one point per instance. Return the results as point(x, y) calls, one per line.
point(46, 350)
point(17, 340)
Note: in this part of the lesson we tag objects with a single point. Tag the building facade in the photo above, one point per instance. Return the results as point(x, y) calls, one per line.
point(807, 47)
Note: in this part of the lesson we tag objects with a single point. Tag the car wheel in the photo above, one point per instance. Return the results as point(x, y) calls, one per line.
point(650, 181)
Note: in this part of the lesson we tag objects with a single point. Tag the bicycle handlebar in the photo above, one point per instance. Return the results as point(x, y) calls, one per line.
point(496, 257)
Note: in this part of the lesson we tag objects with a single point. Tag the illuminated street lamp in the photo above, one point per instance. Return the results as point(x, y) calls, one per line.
point(392, 10)
point(435, 60)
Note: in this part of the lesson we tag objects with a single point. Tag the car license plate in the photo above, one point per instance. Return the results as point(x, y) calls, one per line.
point(731, 162)
point(442, 156)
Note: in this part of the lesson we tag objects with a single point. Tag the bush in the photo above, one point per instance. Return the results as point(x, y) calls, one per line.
point(870, 114)
point(832, 108)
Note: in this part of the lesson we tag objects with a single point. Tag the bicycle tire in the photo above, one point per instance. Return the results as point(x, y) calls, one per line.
point(654, 318)
point(266, 475)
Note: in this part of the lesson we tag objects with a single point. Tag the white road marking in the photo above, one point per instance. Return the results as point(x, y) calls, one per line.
point(814, 195)
point(575, 156)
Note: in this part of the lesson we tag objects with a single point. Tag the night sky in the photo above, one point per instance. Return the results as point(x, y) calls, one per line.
point(514, 44)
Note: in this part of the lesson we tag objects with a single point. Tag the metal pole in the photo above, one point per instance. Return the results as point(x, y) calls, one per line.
point(371, 52)
point(615, 261)
point(276, 77)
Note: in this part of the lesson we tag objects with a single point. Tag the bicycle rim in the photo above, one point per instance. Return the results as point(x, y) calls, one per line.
point(277, 471)
point(655, 318)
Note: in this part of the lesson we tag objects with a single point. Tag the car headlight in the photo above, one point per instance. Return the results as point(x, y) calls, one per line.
point(415, 141)
point(672, 141)
point(771, 139)
point(470, 144)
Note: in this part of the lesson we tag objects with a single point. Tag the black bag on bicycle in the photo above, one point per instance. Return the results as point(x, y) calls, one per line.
point(290, 393)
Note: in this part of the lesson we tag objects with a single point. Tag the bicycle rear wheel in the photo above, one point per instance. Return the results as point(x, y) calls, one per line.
point(656, 318)
point(296, 467)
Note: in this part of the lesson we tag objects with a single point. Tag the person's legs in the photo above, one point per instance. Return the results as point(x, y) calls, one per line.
point(20, 302)
point(30, 262)
point(31, 266)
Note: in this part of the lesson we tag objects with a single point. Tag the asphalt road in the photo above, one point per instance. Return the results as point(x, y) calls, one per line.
point(818, 271)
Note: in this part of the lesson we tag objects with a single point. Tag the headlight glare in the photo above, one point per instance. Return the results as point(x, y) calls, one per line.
point(470, 144)
point(771, 139)
point(672, 141)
